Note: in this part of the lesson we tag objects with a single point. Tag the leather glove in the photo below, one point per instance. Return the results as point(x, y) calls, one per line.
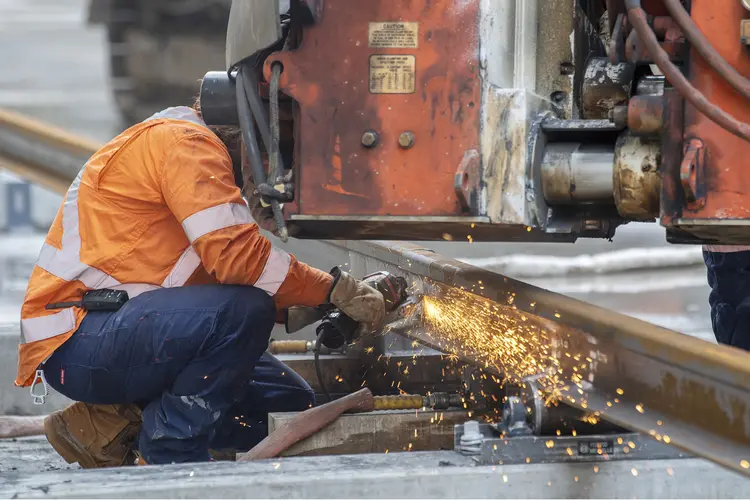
point(298, 317)
point(357, 299)
point(263, 216)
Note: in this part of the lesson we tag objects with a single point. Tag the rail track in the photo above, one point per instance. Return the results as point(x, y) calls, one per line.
point(680, 390)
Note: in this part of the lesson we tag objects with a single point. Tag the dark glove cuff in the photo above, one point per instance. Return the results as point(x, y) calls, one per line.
point(336, 273)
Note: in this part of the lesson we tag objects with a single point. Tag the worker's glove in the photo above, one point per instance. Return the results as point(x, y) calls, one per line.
point(357, 299)
point(299, 317)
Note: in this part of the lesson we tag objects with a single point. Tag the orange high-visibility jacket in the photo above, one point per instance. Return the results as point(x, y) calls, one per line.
point(156, 207)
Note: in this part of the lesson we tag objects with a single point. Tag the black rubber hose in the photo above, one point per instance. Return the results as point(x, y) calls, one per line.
point(250, 82)
point(248, 132)
point(319, 372)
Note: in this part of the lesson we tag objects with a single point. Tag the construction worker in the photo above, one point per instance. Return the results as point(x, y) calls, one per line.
point(729, 279)
point(180, 368)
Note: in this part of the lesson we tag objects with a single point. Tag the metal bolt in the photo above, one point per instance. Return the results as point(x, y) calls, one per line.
point(558, 97)
point(567, 69)
point(370, 139)
point(406, 140)
point(619, 116)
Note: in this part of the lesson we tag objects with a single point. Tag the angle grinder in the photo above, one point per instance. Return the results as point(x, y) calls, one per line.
point(337, 329)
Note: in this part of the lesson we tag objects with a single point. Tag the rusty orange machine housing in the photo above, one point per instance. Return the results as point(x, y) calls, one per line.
point(479, 119)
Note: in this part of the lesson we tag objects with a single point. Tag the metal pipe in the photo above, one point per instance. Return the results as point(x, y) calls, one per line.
point(575, 173)
point(650, 85)
point(638, 19)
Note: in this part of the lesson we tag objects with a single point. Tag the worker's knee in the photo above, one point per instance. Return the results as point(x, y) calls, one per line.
point(246, 310)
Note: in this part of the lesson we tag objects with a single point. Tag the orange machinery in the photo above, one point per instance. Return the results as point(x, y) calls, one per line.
point(494, 120)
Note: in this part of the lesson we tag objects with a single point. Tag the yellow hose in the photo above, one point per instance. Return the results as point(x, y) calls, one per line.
point(404, 402)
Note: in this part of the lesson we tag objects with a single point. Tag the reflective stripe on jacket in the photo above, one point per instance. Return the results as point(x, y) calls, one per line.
point(155, 207)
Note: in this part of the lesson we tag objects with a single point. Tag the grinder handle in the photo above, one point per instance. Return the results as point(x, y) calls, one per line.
point(308, 423)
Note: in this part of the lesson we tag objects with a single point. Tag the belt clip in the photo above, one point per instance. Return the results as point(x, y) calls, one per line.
point(39, 399)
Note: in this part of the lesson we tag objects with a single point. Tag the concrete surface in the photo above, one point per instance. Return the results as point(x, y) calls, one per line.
point(393, 475)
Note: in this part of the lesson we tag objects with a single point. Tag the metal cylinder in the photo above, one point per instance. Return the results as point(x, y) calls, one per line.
point(646, 115)
point(575, 173)
point(637, 180)
point(650, 85)
point(605, 85)
point(219, 99)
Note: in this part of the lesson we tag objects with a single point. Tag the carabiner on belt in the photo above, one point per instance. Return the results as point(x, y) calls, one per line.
point(39, 399)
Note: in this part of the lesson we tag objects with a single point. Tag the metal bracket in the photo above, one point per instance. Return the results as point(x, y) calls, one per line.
point(692, 174)
point(499, 450)
point(467, 182)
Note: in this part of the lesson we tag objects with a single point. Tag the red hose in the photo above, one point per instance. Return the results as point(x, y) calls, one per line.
point(700, 43)
point(638, 19)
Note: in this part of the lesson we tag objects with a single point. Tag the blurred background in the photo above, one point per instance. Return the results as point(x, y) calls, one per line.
point(94, 67)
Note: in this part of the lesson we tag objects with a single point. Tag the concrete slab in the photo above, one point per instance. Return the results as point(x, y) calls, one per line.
point(377, 432)
point(393, 475)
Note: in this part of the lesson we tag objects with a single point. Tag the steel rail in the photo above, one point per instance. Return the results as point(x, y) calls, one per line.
point(678, 389)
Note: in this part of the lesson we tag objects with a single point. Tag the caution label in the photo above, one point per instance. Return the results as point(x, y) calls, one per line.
point(394, 35)
point(393, 74)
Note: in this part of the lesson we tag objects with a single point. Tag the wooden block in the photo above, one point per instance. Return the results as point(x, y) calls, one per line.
point(376, 432)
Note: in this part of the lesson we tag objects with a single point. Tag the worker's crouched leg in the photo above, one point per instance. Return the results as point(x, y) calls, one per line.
point(273, 388)
point(180, 425)
point(729, 278)
point(183, 354)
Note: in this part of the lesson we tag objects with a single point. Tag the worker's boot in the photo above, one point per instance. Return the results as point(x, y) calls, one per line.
point(94, 435)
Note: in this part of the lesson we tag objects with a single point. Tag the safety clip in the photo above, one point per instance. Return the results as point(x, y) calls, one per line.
point(39, 399)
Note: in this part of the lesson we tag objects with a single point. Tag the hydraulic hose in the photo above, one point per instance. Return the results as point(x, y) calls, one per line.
point(249, 138)
point(253, 154)
point(699, 41)
point(250, 82)
point(638, 19)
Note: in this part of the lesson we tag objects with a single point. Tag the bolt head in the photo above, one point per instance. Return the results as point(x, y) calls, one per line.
point(406, 140)
point(370, 139)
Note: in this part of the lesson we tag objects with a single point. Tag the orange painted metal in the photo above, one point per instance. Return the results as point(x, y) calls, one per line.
point(329, 76)
point(726, 176)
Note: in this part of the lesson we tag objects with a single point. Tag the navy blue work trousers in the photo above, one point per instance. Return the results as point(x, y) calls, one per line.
point(193, 358)
point(729, 278)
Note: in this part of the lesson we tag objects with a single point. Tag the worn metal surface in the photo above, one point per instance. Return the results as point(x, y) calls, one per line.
point(605, 86)
point(419, 76)
point(725, 175)
point(637, 182)
point(646, 115)
point(593, 448)
point(578, 173)
point(377, 432)
point(253, 26)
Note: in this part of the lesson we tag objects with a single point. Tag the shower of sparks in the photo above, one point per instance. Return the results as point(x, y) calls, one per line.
point(501, 339)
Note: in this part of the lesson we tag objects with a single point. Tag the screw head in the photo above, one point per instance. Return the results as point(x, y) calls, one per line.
point(370, 139)
point(406, 140)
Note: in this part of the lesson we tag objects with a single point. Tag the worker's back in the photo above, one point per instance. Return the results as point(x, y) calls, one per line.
point(116, 226)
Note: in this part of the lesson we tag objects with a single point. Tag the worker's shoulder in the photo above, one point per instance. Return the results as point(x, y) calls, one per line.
point(180, 124)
